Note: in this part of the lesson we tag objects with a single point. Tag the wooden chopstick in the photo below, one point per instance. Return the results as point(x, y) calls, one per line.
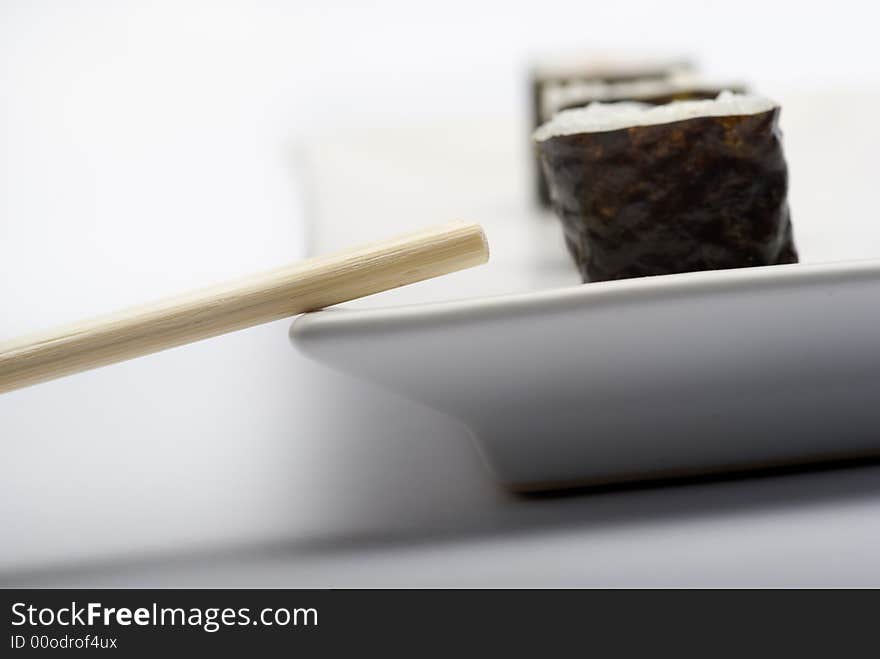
point(234, 305)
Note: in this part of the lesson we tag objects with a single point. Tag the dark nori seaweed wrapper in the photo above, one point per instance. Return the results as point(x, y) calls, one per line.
point(704, 193)
point(539, 81)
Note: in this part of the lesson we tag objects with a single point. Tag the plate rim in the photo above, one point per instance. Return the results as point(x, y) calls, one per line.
point(560, 298)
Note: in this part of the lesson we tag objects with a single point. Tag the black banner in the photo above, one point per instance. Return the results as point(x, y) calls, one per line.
point(415, 622)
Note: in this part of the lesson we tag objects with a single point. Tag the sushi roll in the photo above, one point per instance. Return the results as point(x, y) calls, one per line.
point(681, 86)
point(650, 190)
point(551, 77)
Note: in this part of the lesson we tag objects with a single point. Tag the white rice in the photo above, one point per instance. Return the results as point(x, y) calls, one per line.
point(558, 96)
point(601, 117)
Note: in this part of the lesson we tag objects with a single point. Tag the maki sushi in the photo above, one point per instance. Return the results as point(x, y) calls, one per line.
point(689, 185)
point(549, 78)
point(678, 87)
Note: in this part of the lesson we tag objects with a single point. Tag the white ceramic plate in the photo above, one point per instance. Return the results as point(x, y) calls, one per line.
point(645, 378)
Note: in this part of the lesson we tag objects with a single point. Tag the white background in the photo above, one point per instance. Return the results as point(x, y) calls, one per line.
point(150, 147)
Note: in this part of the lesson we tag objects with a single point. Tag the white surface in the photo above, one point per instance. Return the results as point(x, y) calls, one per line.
point(148, 147)
point(818, 529)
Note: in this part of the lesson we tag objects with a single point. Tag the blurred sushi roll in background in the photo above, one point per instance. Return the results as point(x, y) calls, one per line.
point(652, 92)
point(657, 189)
point(551, 77)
